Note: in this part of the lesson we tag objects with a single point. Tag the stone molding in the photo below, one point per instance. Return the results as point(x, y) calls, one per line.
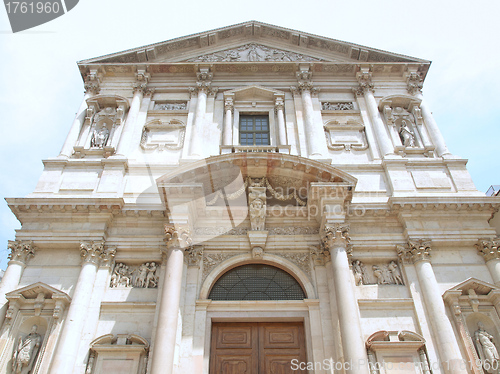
point(21, 251)
point(337, 235)
point(489, 248)
point(416, 250)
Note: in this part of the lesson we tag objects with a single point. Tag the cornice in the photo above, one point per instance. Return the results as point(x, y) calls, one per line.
point(27, 205)
point(459, 203)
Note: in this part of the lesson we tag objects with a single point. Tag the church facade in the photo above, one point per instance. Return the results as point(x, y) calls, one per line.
point(257, 200)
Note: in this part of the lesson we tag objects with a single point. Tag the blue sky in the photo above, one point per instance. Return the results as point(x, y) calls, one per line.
point(42, 88)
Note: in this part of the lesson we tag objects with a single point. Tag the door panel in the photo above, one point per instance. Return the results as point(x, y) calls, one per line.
point(256, 348)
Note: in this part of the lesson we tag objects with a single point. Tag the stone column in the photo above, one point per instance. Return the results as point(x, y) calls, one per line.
point(67, 346)
point(162, 360)
point(20, 253)
point(74, 132)
point(414, 86)
point(203, 86)
point(125, 138)
point(418, 253)
point(227, 138)
point(279, 107)
point(490, 250)
point(365, 89)
point(336, 240)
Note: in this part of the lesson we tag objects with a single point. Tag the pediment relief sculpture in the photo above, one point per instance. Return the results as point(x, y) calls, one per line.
point(253, 52)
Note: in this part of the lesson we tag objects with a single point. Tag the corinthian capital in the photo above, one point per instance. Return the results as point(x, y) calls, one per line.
point(91, 251)
point(21, 250)
point(228, 104)
point(279, 104)
point(92, 83)
point(416, 250)
point(488, 248)
point(108, 256)
point(193, 255)
point(177, 237)
point(364, 78)
point(414, 82)
point(336, 235)
point(142, 87)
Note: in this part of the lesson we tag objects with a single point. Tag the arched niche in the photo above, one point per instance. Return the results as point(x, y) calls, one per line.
point(124, 353)
point(268, 259)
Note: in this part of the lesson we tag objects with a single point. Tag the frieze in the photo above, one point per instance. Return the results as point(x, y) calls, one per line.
point(255, 68)
point(253, 52)
point(145, 275)
point(337, 106)
point(376, 273)
point(224, 34)
point(181, 44)
point(293, 230)
point(331, 46)
point(220, 231)
point(275, 33)
point(170, 106)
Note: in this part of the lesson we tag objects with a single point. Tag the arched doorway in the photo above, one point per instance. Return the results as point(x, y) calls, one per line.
point(256, 347)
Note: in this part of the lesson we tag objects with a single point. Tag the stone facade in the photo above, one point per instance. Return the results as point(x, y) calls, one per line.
point(154, 197)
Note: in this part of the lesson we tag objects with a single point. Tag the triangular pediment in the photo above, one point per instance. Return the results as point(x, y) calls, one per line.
point(480, 287)
point(252, 42)
point(34, 290)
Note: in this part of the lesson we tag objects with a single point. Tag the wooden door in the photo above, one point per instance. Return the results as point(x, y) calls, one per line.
point(256, 348)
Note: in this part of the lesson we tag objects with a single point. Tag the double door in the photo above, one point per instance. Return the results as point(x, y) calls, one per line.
point(257, 348)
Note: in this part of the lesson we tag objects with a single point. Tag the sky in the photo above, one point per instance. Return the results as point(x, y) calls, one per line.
point(41, 87)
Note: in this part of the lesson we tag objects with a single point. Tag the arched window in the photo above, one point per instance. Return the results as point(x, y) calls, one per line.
point(256, 282)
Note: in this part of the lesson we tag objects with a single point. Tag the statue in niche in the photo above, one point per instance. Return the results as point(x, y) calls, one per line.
point(406, 135)
point(395, 273)
point(488, 353)
point(99, 137)
point(26, 352)
point(257, 214)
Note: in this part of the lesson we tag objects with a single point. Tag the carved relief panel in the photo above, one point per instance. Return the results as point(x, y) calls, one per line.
point(377, 273)
point(345, 136)
point(161, 135)
point(145, 275)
